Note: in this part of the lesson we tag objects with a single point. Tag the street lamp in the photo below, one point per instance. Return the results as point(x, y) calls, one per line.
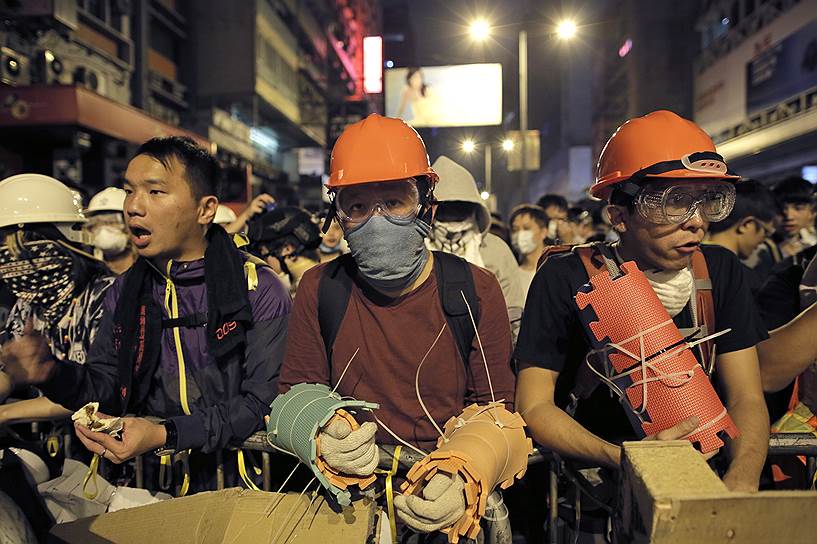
point(507, 144)
point(479, 29)
point(566, 29)
point(468, 145)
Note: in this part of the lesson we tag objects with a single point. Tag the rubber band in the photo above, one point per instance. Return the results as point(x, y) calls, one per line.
point(390, 491)
point(90, 476)
point(242, 471)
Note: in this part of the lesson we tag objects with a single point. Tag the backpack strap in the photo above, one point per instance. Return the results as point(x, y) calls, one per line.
point(334, 290)
point(453, 278)
point(704, 306)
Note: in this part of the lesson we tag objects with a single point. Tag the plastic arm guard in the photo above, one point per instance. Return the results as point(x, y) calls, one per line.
point(297, 417)
point(486, 446)
point(649, 363)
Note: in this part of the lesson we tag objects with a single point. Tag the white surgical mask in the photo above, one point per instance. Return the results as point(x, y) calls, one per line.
point(523, 241)
point(673, 287)
point(110, 240)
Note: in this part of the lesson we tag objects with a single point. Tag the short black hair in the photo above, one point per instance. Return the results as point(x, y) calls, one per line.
point(548, 200)
point(752, 199)
point(203, 172)
point(794, 190)
point(537, 213)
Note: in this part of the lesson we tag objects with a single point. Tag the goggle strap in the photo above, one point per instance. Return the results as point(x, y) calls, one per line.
point(330, 215)
point(668, 166)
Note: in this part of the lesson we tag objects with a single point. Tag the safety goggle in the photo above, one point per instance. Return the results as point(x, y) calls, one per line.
point(397, 200)
point(677, 203)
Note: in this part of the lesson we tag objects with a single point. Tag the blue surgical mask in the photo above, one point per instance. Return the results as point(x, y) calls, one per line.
point(389, 254)
point(330, 250)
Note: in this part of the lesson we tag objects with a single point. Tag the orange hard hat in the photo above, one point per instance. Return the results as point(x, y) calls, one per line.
point(378, 149)
point(659, 145)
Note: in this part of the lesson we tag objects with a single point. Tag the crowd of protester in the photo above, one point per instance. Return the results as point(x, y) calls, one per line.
point(186, 318)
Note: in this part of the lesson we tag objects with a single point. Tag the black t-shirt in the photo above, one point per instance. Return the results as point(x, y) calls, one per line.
point(778, 301)
point(553, 337)
point(779, 298)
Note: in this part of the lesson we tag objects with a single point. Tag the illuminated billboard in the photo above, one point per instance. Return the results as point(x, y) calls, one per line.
point(446, 96)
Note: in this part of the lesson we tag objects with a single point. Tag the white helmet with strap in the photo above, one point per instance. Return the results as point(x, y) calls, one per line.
point(110, 199)
point(27, 199)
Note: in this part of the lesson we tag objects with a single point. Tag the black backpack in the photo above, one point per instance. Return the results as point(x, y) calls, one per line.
point(453, 275)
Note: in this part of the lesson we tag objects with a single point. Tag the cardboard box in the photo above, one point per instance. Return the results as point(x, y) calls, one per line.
point(228, 516)
point(670, 495)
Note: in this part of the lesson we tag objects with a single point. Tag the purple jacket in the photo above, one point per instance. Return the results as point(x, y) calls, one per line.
point(227, 401)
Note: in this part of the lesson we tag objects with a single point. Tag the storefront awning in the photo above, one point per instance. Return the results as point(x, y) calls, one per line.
point(57, 105)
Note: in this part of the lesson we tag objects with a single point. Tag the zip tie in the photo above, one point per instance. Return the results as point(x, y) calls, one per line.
point(479, 342)
point(417, 384)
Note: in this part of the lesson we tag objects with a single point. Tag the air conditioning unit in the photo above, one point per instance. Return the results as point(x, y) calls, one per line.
point(170, 89)
point(50, 69)
point(14, 68)
point(90, 79)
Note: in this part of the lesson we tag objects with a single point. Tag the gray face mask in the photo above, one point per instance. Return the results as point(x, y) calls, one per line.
point(389, 254)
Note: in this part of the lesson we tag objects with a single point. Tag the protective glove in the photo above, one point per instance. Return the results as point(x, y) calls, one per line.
point(348, 451)
point(442, 504)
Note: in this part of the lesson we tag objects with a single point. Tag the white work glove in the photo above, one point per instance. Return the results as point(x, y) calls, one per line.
point(348, 451)
point(442, 504)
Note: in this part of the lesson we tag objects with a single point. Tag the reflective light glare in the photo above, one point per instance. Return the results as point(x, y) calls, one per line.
point(468, 145)
point(480, 29)
point(373, 64)
point(507, 144)
point(485, 195)
point(625, 48)
point(566, 29)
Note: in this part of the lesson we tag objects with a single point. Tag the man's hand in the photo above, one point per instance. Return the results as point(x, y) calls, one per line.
point(28, 359)
point(680, 431)
point(348, 451)
point(442, 504)
point(258, 205)
point(138, 436)
point(740, 482)
point(255, 207)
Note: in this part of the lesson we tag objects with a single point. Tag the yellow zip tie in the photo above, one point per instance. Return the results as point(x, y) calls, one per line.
point(186, 480)
point(242, 471)
point(390, 491)
point(90, 476)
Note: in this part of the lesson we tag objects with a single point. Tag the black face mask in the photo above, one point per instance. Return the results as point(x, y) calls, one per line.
point(41, 276)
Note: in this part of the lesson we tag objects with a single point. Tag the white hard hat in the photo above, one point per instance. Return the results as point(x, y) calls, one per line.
point(224, 215)
point(27, 199)
point(110, 199)
point(33, 464)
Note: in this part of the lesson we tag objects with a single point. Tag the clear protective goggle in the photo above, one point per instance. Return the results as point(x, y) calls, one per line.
point(396, 200)
point(677, 203)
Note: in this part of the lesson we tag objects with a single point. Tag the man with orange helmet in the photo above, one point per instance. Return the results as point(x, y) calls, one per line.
point(664, 183)
point(368, 322)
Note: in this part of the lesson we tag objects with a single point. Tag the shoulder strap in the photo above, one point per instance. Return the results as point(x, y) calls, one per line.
point(704, 304)
point(454, 278)
point(334, 290)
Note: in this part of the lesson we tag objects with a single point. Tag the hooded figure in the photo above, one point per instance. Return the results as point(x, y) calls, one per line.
point(462, 227)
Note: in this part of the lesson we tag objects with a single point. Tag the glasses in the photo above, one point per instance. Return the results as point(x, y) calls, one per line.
point(397, 200)
point(676, 204)
point(767, 228)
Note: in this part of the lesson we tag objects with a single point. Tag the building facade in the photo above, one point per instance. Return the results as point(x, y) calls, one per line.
point(756, 85)
point(83, 82)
